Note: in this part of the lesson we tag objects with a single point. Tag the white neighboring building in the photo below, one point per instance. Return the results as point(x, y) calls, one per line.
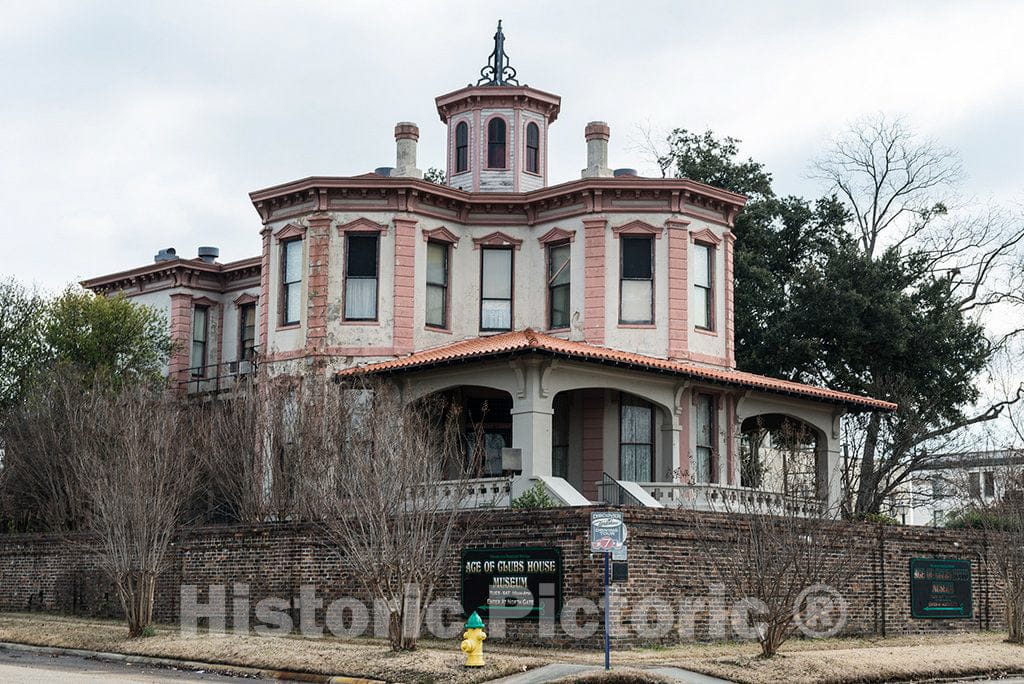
point(952, 482)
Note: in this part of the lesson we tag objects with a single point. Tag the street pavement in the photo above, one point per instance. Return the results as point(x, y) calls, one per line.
point(17, 666)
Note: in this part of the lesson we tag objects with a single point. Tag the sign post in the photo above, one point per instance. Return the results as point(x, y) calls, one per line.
point(607, 535)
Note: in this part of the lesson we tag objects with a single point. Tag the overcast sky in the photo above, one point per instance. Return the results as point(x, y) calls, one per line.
point(127, 127)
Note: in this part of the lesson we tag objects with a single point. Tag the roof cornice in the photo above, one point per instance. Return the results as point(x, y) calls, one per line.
point(312, 192)
point(470, 96)
point(173, 268)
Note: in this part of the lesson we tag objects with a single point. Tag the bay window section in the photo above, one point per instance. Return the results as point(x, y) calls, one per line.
point(495, 289)
point(704, 465)
point(200, 332)
point(636, 439)
point(558, 286)
point(703, 286)
point(291, 282)
point(636, 283)
point(361, 277)
point(437, 285)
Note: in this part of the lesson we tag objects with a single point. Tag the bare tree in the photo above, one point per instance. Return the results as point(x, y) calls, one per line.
point(781, 555)
point(1000, 515)
point(127, 460)
point(386, 479)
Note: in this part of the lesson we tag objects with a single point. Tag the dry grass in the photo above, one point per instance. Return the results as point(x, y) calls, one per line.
point(833, 660)
point(364, 658)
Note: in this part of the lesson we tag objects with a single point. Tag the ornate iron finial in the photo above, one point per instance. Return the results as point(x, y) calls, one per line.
point(498, 71)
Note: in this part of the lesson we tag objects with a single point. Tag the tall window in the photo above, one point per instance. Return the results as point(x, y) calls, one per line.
point(200, 323)
point(703, 286)
point(496, 143)
point(246, 332)
point(558, 286)
point(461, 147)
point(532, 148)
point(560, 436)
point(990, 484)
point(703, 469)
point(636, 439)
point(496, 288)
point(636, 285)
point(291, 281)
point(361, 277)
point(437, 285)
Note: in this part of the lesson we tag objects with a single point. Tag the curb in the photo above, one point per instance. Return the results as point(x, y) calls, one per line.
point(224, 668)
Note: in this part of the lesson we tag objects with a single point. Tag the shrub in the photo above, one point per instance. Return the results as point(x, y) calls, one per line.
point(535, 497)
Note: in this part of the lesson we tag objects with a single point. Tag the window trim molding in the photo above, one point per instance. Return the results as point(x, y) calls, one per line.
point(345, 320)
point(487, 143)
point(441, 234)
point(548, 246)
point(282, 299)
point(706, 236)
point(292, 231)
point(512, 290)
point(654, 294)
point(712, 291)
point(363, 225)
point(557, 234)
point(446, 326)
point(497, 239)
point(637, 227)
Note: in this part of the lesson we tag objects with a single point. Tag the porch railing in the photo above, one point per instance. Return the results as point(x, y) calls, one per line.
point(730, 498)
point(483, 492)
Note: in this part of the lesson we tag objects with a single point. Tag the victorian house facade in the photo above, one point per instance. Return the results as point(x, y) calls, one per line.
point(594, 316)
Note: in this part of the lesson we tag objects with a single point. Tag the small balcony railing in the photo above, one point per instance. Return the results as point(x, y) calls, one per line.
point(217, 377)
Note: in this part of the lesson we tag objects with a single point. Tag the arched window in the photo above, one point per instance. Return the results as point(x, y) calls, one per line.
point(496, 143)
point(532, 148)
point(461, 147)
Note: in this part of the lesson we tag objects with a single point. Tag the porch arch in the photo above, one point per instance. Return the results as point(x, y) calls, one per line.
point(786, 453)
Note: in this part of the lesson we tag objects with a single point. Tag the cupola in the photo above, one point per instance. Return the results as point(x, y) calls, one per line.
point(498, 129)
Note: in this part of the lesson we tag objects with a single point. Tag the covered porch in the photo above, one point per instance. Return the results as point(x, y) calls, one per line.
point(598, 425)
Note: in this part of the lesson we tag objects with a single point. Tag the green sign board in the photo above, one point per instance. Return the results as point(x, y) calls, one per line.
point(940, 588)
point(522, 582)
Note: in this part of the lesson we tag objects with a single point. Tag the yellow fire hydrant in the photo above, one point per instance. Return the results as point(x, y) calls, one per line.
point(473, 641)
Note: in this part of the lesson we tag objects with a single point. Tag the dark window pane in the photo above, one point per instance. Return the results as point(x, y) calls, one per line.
point(362, 256)
point(496, 144)
point(560, 306)
point(461, 147)
point(532, 148)
point(636, 257)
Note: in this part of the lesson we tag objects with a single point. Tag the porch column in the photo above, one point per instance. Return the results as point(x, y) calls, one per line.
point(671, 440)
point(531, 417)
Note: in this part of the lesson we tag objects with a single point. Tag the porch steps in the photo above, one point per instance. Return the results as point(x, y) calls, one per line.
point(559, 489)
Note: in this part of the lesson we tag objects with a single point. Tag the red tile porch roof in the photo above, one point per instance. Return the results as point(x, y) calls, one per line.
point(531, 341)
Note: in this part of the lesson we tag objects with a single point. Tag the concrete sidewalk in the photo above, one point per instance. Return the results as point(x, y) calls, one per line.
point(555, 671)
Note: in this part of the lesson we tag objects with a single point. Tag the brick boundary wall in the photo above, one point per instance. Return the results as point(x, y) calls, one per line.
point(666, 559)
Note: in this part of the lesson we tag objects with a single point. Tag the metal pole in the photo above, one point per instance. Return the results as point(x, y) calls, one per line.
point(607, 645)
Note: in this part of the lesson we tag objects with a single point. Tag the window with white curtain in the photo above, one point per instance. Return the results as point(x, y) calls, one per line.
point(558, 286)
point(495, 289)
point(703, 286)
point(703, 467)
point(200, 332)
point(361, 277)
point(437, 285)
point(636, 283)
point(291, 281)
point(636, 439)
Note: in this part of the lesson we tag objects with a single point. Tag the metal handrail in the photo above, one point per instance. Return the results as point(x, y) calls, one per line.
point(221, 372)
point(614, 494)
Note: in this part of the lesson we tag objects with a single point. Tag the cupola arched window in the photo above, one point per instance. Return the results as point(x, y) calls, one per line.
point(461, 147)
point(496, 143)
point(532, 148)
